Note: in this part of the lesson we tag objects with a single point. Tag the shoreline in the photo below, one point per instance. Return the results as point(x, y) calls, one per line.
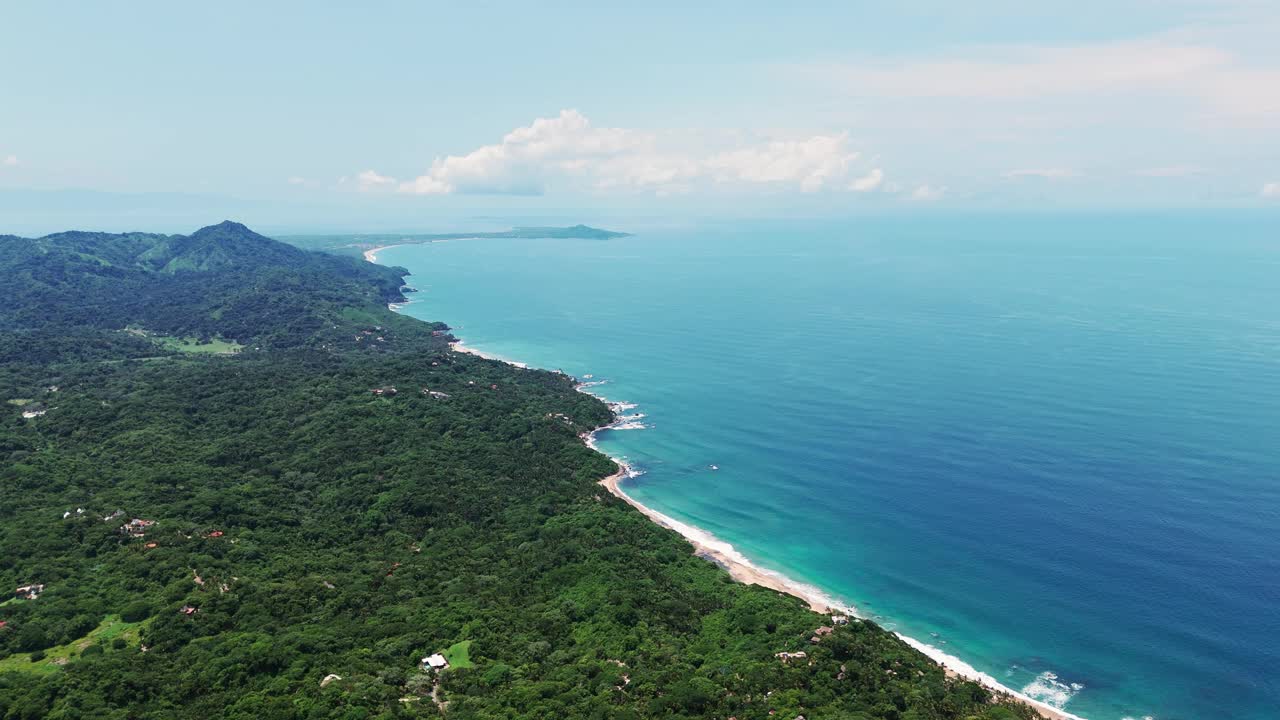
point(462, 347)
point(741, 569)
point(371, 255)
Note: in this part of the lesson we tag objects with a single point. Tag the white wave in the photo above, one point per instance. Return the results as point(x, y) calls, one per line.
point(628, 426)
point(966, 670)
point(1048, 689)
point(802, 590)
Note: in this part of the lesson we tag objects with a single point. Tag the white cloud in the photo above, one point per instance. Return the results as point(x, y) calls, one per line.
point(1046, 173)
point(811, 163)
point(369, 180)
point(10, 161)
point(568, 152)
point(927, 193)
point(1271, 190)
point(868, 182)
point(529, 157)
point(1036, 72)
point(1201, 80)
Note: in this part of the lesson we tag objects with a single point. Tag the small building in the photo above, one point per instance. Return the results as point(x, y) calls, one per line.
point(839, 619)
point(787, 657)
point(821, 633)
point(435, 662)
point(189, 610)
point(29, 592)
point(137, 527)
point(385, 391)
point(113, 516)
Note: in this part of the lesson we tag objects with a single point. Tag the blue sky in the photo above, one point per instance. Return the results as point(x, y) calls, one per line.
point(827, 107)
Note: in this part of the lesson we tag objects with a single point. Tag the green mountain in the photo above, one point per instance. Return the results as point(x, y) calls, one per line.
point(222, 281)
point(287, 531)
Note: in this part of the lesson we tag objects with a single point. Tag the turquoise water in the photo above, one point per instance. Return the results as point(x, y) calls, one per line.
point(1049, 446)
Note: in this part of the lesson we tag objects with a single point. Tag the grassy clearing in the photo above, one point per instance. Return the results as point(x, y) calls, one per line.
point(459, 655)
point(20, 401)
point(215, 346)
point(55, 657)
point(193, 345)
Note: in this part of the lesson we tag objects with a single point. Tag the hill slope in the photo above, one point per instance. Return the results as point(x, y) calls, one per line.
point(221, 281)
point(265, 536)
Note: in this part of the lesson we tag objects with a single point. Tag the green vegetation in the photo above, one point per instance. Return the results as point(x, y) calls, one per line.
point(459, 655)
point(345, 245)
point(53, 658)
point(213, 346)
point(300, 525)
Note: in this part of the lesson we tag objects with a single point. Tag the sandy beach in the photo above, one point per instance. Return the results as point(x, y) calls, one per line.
point(742, 570)
point(706, 546)
point(462, 347)
point(371, 254)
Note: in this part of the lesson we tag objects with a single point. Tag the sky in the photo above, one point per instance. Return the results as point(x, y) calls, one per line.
point(415, 109)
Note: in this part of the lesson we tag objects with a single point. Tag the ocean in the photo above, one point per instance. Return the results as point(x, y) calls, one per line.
point(1047, 445)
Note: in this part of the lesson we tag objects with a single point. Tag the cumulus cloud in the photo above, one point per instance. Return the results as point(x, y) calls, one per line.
point(868, 182)
point(369, 180)
point(810, 163)
point(9, 161)
point(1271, 190)
point(568, 151)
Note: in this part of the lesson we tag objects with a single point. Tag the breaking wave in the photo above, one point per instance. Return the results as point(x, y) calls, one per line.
point(1050, 690)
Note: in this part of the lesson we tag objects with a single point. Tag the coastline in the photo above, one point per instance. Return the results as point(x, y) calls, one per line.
point(371, 255)
point(741, 569)
point(462, 347)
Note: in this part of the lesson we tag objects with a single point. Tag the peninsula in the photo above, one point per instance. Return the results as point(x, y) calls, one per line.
point(358, 244)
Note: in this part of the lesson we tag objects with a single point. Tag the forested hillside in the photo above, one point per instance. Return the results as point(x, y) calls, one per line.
point(234, 484)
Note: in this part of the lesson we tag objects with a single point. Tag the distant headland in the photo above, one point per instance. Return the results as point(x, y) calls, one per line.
point(356, 244)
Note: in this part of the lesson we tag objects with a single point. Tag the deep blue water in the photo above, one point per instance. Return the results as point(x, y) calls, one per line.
point(1049, 446)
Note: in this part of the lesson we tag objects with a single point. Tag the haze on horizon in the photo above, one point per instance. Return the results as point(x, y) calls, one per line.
point(151, 116)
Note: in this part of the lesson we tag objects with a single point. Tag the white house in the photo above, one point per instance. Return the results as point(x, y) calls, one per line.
point(435, 662)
